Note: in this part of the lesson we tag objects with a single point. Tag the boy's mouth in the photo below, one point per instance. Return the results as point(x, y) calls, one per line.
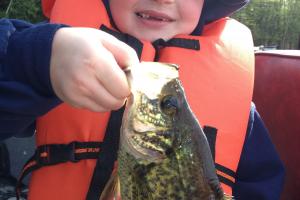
point(151, 15)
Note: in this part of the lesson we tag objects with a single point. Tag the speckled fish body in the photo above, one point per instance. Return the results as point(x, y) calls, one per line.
point(164, 154)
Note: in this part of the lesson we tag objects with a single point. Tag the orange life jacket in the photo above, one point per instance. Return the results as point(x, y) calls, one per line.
point(218, 81)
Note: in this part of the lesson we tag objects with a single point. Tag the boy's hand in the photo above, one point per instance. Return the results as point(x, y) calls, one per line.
point(85, 68)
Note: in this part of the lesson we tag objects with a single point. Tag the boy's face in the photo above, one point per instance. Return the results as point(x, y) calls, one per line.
point(154, 19)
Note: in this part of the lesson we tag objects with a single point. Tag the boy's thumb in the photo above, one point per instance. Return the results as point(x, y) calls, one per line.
point(123, 53)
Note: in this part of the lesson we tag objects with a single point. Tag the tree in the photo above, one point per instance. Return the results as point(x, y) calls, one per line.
point(273, 22)
point(29, 10)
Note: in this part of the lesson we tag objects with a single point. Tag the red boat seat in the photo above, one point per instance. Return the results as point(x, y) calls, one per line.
point(277, 98)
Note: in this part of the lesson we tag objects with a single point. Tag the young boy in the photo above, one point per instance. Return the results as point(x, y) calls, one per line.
point(82, 68)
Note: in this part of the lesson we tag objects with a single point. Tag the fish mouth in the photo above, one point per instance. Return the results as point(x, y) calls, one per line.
point(150, 142)
point(147, 149)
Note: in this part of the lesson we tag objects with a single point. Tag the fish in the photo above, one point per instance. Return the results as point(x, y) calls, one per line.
point(163, 152)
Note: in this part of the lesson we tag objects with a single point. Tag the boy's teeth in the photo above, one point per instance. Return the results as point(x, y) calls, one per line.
point(143, 15)
point(146, 16)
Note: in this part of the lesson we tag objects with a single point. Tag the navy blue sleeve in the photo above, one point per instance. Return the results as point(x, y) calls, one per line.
point(25, 88)
point(260, 173)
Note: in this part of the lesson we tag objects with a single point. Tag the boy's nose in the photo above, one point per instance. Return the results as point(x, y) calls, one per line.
point(165, 1)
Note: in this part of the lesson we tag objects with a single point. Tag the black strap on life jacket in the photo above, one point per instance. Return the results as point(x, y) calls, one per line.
point(211, 135)
point(175, 42)
point(227, 175)
point(107, 157)
point(178, 42)
point(53, 154)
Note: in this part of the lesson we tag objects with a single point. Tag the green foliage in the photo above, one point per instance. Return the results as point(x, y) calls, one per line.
point(273, 22)
point(29, 10)
point(3, 6)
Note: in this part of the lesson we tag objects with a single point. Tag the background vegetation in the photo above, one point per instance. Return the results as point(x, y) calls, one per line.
point(273, 22)
point(28, 10)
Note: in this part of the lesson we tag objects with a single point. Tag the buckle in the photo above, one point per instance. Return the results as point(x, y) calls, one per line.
point(56, 153)
point(41, 155)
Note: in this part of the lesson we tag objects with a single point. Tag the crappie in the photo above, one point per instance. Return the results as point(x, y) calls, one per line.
point(163, 153)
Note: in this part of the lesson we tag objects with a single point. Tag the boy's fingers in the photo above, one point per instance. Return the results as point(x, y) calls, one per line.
point(93, 96)
point(110, 75)
point(101, 96)
point(90, 104)
point(87, 103)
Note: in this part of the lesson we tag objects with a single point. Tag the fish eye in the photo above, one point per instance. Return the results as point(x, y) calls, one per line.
point(169, 105)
